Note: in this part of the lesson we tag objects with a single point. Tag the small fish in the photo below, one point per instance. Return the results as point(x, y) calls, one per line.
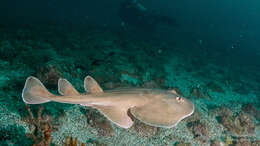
point(155, 107)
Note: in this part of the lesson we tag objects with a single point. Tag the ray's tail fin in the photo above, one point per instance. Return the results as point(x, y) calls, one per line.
point(34, 92)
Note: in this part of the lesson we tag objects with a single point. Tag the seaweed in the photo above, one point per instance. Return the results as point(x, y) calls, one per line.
point(42, 126)
point(73, 142)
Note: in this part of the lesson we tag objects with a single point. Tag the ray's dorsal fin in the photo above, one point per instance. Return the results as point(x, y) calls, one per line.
point(116, 115)
point(34, 92)
point(65, 88)
point(91, 85)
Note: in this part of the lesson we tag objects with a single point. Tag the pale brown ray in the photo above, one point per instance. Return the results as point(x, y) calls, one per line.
point(155, 107)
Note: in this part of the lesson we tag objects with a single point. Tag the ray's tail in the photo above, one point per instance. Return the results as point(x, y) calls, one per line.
point(34, 92)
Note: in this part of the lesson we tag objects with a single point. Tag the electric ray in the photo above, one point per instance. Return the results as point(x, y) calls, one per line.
point(155, 107)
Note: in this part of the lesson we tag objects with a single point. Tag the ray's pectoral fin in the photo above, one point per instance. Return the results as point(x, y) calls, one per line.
point(158, 113)
point(116, 115)
point(91, 85)
point(65, 88)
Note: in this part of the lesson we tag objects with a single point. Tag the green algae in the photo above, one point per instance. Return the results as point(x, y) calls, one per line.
point(14, 135)
point(129, 79)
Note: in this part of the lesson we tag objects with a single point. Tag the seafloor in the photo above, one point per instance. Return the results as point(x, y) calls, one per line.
point(226, 95)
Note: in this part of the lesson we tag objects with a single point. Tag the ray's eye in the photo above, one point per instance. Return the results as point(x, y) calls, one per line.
point(179, 99)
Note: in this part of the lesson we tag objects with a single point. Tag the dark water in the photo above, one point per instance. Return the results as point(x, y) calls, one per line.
point(208, 51)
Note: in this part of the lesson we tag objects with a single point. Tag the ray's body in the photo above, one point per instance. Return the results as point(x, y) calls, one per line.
point(155, 107)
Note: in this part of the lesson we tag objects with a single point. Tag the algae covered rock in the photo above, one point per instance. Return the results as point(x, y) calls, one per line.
point(183, 144)
point(215, 87)
point(199, 92)
point(239, 124)
point(251, 110)
point(49, 74)
point(150, 84)
point(199, 131)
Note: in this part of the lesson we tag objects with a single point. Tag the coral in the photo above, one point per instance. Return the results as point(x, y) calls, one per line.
point(73, 142)
point(199, 131)
point(41, 127)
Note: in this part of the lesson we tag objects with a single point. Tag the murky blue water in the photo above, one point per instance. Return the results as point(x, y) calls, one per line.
point(208, 52)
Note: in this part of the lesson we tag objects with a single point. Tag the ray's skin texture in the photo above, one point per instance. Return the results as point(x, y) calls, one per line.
point(155, 107)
